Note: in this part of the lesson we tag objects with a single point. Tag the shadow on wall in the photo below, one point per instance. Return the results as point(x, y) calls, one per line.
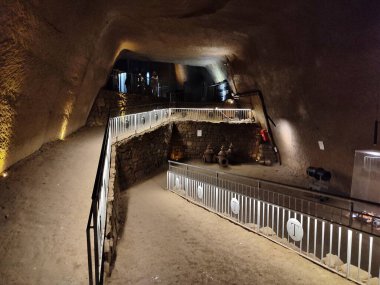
point(313, 94)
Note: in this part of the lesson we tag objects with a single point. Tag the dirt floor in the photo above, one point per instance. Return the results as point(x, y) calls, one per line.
point(44, 207)
point(168, 240)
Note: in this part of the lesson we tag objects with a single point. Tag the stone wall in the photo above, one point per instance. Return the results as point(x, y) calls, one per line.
point(117, 104)
point(114, 220)
point(186, 141)
point(142, 155)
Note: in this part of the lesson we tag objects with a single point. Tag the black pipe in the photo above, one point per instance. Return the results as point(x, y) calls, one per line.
point(375, 132)
point(267, 117)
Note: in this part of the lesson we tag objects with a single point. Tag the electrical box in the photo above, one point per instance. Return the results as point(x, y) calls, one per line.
point(366, 176)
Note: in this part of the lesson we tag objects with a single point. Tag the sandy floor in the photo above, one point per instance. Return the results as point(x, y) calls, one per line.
point(168, 240)
point(44, 206)
point(276, 173)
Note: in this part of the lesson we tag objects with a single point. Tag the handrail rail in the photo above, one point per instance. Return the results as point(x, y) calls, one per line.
point(331, 208)
point(291, 187)
point(103, 152)
point(213, 109)
point(307, 231)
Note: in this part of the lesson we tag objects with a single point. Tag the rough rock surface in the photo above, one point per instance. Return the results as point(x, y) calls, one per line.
point(142, 155)
point(373, 281)
point(332, 261)
point(315, 61)
point(356, 273)
point(267, 231)
point(242, 136)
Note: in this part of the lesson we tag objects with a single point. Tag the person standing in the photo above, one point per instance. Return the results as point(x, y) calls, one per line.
point(140, 83)
point(154, 84)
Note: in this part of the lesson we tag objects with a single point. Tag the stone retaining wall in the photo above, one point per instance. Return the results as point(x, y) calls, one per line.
point(186, 141)
point(142, 155)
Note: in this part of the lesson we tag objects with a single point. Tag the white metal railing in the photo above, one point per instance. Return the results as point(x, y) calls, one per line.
point(208, 114)
point(126, 126)
point(350, 252)
point(139, 122)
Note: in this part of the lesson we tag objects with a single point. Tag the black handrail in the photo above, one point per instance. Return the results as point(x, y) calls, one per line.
point(99, 172)
point(93, 215)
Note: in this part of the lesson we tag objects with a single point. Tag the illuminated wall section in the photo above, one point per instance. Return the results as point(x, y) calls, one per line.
point(6, 131)
point(11, 85)
point(180, 73)
point(67, 110)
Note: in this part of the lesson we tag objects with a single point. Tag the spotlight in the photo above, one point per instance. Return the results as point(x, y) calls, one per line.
point(4, 174)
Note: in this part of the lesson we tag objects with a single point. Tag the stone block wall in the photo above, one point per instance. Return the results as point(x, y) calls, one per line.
point(186, 142)
point(142, 155)
point(119, 104)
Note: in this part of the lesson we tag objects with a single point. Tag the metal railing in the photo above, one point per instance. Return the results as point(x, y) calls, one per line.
point(134, 123)
point(208, 114)
point(129, 125)
point(98, 212)
point(324, 232)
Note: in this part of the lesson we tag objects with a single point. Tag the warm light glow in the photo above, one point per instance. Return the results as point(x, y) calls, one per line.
point(4, 174)
point(290, 143)
point(3, 156)
point(11, 88)
point(125, 45)
point(176, 155)
point(7, 114)
point(180, 73)
point(62, 134)
point(68, 108)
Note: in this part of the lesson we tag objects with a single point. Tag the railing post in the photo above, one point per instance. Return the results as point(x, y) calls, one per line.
point(258, 189)
point(135, 123)
point(89, 255)
point(351, 212)
point(96, 242)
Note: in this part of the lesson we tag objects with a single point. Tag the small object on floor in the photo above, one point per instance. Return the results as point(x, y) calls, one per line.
point(230, 154)
point(208, 155)
point(222, 157)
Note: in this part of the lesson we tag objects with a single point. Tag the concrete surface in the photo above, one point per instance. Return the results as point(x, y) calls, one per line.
point(168, 240)
point(44, 207)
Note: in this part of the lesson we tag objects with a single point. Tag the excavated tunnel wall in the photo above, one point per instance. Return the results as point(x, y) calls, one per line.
point(315, 62)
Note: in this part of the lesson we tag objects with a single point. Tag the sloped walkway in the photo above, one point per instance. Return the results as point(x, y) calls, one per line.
point(168, 240)
point(44, 207)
